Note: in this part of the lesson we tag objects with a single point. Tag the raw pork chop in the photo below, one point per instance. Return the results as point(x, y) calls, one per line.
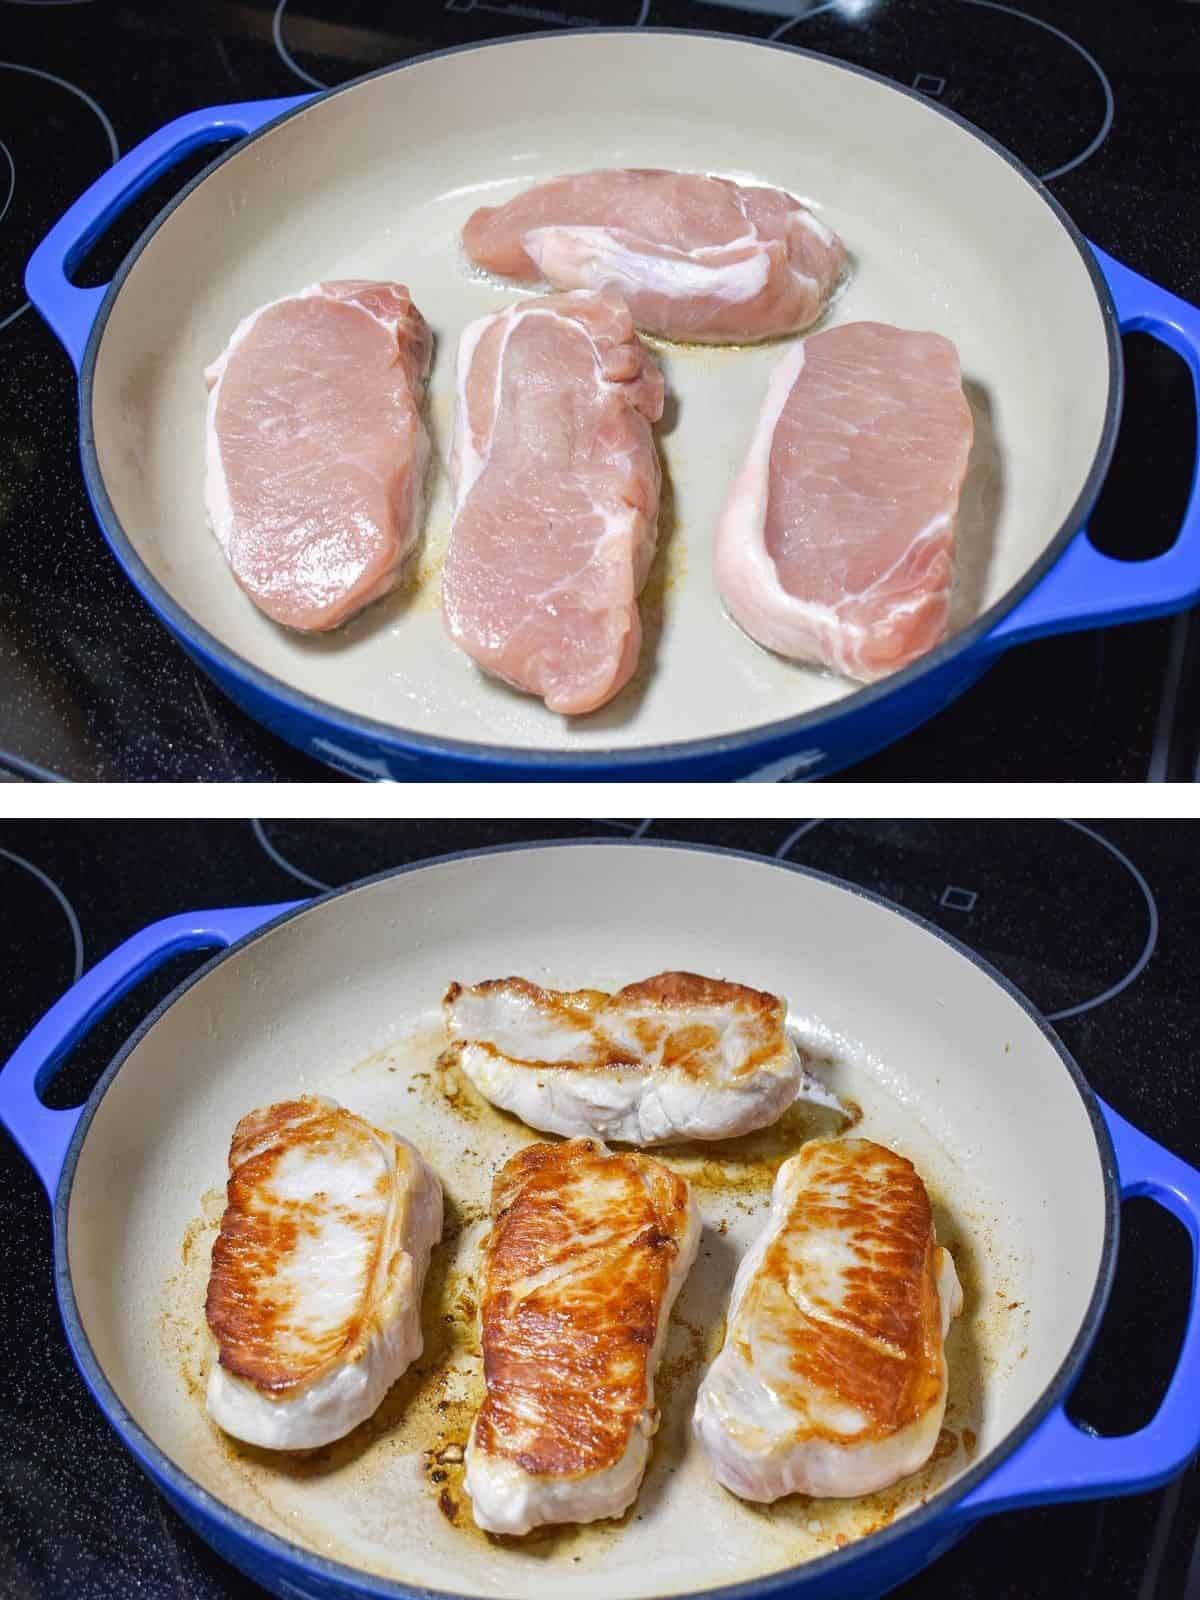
point(556, 484)
point(836, 542)
point(586, 1255)
point(674, 1057)
point(314, 1297)
point(694, 257)
point(832, 1378)
point(316, 449)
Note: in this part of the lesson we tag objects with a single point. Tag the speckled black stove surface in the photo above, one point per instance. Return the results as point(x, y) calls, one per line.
point(1099, 98)
point(1099, 923)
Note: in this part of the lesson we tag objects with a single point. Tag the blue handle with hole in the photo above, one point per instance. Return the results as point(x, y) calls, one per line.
point(1084, 588)
point(71, 312)
point(1062, 1461)
point(43, 1134)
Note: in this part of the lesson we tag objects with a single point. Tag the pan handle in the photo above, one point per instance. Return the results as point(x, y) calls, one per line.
point(1061, 1461)
point(44, 1134)
point(71, 311)
point(1085, 589)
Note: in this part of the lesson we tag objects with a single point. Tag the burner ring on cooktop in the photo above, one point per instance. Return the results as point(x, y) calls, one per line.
point(1061, 1013)
point(12, 179)
point(635, 830)
point(803, 16)
point(853, 11)
point(285, 55)
point(51, 202)
point(1139, 965)
point(538, 17)
point(281, 861)
point(67, 907)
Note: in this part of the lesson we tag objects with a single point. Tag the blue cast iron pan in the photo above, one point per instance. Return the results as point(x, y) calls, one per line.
point(1045, 1458)
point(1070, 586)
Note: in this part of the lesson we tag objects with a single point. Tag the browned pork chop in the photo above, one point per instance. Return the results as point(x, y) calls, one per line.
point(587, 1253)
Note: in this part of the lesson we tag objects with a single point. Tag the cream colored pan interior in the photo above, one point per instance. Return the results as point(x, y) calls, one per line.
point(344, 1000)
point(377, 182)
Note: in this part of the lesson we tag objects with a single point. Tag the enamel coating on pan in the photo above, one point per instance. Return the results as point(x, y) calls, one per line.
point(985, 256)
point(965, 1077)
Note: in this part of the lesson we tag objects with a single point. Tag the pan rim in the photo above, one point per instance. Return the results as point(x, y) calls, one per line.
point(215, 1511)
point(398, 741)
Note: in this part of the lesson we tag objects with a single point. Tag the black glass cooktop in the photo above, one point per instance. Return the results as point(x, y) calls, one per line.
point(1099, 99)
point(1099, 924)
